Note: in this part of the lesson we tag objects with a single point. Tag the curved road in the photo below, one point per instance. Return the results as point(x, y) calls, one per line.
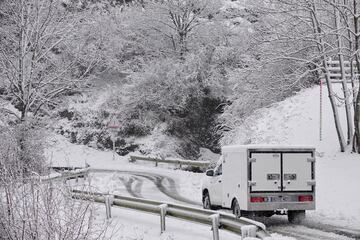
point(134, 185)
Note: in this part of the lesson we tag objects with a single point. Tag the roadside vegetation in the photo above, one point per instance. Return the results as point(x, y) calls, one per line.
point(184, 70)
point(180, 72)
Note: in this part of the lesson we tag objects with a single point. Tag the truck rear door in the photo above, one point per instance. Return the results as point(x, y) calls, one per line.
point(281, 171)
point(297, 171)
point(265, 172)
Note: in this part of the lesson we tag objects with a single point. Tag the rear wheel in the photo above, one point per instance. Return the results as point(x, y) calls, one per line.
point(236, 209)
point(268, 214)
point(206, 201)
point(296, 217)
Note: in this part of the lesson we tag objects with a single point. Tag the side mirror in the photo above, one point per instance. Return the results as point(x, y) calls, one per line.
point(210, 172)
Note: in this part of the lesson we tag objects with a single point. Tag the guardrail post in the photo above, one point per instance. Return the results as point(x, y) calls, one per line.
point(132, 159)
point(215, 225)
point(248, 231)
point(108, 202)
point(162, 208)
point(156, 162)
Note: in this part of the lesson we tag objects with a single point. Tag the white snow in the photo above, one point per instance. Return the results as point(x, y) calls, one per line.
point(133, 225)
point(61, 152)
point(228, 4)
point(296, 120)
point(158, 143)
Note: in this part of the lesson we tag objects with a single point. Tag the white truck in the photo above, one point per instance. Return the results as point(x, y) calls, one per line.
point(262, 180)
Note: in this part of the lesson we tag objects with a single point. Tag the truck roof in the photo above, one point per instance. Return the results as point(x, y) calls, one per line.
point(266, 147)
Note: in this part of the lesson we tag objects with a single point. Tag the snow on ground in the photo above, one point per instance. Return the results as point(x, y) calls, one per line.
point(158, 143)
point(61, 152)
point(128, 224)
point(296, 121)
point(65, 154)
point(132, 225)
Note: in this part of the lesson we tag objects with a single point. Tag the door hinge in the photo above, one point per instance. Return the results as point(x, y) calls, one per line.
point(251, 183)
point(252, 160)
point(311, 183)
point(311, 159)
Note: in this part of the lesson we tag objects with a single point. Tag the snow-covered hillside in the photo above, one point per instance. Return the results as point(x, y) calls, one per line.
point(293, 121)
point(296, 121)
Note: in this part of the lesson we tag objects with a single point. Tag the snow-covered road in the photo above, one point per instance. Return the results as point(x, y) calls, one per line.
point(165, 188)
point(143, 185)
point(293, 121)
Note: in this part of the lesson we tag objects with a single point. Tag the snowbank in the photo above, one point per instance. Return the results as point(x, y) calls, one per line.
point(293, 121)
point(296, 120)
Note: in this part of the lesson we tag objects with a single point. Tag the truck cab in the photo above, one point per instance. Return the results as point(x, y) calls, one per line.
point(262, 180)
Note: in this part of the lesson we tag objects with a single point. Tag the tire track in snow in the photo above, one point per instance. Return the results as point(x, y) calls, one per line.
point(342, 232)
point(170, 191)
point(129, 183)
point(301, 232)
point(304, 233)
point(352, 233)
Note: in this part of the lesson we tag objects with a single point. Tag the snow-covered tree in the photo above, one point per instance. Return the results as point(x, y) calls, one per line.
point(178, 26)
point(306, 34)
point(42, 48)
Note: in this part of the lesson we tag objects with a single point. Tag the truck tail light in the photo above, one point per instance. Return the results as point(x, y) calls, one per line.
point(305, 198)
point(257, 199)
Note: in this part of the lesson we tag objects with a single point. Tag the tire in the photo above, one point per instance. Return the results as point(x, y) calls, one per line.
point(296, 217)
point(206, 201)
point(236, 209)
point(268, 214)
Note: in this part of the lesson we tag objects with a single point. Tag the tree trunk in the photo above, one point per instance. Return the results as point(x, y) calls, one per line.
point(317, 33)
point(357, 122)
point(349, 121)
point(356, 143)
point(334, 108)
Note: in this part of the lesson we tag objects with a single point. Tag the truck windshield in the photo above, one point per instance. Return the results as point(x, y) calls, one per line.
point(218, 170)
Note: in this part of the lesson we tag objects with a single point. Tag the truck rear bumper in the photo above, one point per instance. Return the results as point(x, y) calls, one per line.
point(273, 206)
point(281, 201)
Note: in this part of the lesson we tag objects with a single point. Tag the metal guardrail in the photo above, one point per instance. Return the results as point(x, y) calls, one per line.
point(83, 173)
point(179, 162)
point(65, 168)
point(242, 226)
